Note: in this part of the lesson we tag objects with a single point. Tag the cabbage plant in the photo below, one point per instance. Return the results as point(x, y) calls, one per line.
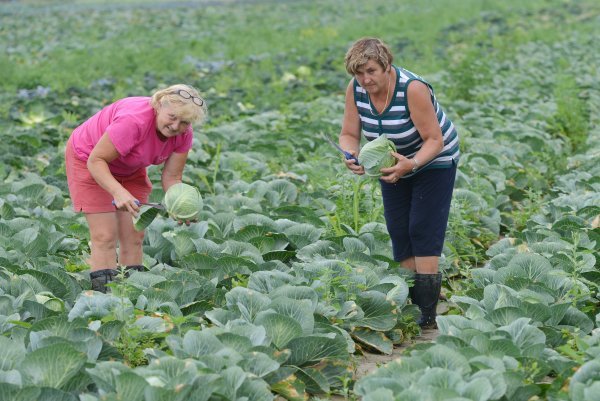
point(376, 155)
point(183, 202)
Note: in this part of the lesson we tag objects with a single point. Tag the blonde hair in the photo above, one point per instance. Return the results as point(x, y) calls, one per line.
point(184, 108)
point(366, 49)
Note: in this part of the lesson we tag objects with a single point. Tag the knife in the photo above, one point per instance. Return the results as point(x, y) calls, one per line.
point(151, 204)
point(347, 155)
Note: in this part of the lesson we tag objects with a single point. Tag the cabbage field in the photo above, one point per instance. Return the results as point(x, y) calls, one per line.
point(287, 278)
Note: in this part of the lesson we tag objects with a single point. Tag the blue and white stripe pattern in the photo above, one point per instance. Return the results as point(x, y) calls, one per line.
point(396, 124)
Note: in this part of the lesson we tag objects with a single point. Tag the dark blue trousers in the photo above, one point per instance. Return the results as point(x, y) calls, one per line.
point(416, 212)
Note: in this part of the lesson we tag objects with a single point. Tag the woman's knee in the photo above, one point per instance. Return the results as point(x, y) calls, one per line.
point(103, 239)
point(134, 239)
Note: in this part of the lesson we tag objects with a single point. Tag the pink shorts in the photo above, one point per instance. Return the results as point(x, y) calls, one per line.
point(88, 197)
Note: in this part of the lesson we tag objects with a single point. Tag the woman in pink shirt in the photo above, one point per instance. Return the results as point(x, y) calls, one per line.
point(106, 159)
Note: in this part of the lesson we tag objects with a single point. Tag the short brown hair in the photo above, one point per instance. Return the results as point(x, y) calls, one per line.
point(366, 49)
point(185, 108)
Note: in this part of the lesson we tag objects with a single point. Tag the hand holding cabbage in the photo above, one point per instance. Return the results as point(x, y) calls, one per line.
point(379, 158)
point(183, 203)
point(376, 155)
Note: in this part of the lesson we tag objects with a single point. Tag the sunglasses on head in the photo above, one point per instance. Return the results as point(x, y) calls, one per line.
point(187, 95)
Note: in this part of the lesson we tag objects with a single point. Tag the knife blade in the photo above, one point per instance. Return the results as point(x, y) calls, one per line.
point(151, 204)
point(346, 154)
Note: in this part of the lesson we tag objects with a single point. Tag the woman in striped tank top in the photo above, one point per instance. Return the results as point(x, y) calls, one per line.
point(382, 99)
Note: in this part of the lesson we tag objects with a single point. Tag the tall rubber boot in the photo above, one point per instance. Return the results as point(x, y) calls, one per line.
point(425, 295)
point(100, 278)
point(133, 268)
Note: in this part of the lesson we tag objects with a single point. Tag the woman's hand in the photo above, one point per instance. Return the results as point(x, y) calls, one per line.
point(391, 175)
point(126, 202)
point(356, 169)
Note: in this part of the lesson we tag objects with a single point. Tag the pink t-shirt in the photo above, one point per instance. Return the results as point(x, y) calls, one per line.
point(131, 127)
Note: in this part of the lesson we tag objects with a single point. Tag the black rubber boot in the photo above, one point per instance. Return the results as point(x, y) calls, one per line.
point(425, 294)
point(134, 268)
point(100, 278)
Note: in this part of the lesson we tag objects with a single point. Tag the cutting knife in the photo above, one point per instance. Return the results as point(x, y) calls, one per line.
point(151, 204)
point(347, 155)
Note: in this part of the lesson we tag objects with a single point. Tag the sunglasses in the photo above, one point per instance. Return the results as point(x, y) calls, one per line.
point(186, 95)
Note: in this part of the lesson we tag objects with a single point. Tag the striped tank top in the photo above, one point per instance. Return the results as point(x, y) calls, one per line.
point(396, 124)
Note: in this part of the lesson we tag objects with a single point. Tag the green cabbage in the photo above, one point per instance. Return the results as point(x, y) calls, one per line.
point(183, 202)
point(375, 155)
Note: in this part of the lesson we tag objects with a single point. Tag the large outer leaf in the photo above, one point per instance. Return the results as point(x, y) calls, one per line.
point(379, 312)
point(314, 380)
point(268, 281)
point(237, 342)
point(130, 386)
point(232, 379)
point(49, 281)
point(258, 364)
point(309, 350)
point(528, 265)
point(244, 250)
point(479, 389)
point(280, 328)
point(248, 302)
point(300, 310)
point(53, 366)
point(446, 358)
point(14, 393)
point(439, 377)
point(146, 216)
point(505, 315)
point(373, 339)
point(303, 234)
point(496, 378)
point(291, 388)
point(94, 304)
point(182, 242)
point(530, 340)
point(296, 292)
point(576, 318)
point(198, 343)
point(381, 394)
point(11, 353)
point(498, 296)
point(587, 374)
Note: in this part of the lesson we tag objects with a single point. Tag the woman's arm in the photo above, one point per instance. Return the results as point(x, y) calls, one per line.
point(173, 171)
point(350, 133)
point(423, 116)
point(103, 153)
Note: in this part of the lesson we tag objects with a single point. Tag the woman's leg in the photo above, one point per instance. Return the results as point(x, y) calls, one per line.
point(396, 210)
point(103, 259)
point(130, 241)
point(409, 263)
point(432, 193)
point(103, 235)
point(427, 264)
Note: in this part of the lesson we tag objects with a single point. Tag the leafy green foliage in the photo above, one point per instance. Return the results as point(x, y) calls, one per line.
point(290, 270)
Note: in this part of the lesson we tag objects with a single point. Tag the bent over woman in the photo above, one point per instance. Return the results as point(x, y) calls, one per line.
point(382, 98)
point(106, 159)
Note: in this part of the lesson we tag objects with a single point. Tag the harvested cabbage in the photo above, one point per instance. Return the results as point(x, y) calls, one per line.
point(183, 202)
point(375, 155)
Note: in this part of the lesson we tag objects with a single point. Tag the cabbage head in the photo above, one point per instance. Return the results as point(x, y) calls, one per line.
point(183, 202)
point(375, 155)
